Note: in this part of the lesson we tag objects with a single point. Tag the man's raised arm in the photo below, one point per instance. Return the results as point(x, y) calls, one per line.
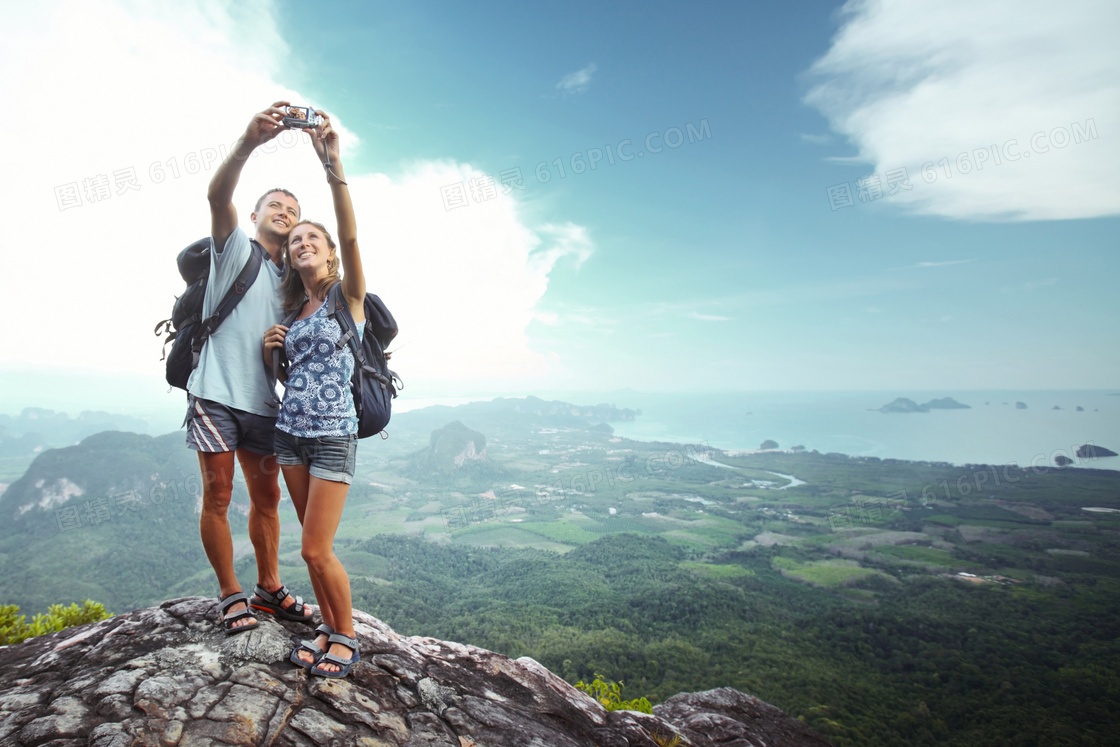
point(262, 127)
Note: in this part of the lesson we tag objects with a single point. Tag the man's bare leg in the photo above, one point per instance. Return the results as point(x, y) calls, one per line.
point(213, 524)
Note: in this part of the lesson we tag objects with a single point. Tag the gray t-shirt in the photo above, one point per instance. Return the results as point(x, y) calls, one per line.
point(231, 370)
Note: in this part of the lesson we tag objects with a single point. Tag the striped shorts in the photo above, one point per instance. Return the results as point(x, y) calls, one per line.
point(214, 427)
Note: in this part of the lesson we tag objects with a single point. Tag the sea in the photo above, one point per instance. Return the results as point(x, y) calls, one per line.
point(995, 429)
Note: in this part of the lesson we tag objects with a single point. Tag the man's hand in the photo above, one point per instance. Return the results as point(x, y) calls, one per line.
point(264, 126)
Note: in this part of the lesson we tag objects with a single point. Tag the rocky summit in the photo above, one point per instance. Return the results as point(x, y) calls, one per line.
point(168, 675)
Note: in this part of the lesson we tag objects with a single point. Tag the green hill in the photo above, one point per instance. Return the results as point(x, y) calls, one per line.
point(113, 518)
point(884, 602)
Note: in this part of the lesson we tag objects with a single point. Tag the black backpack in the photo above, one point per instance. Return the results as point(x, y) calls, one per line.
point(372, 384)
point(186, 330)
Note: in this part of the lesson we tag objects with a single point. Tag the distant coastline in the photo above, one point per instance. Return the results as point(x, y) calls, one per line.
point(991, 431)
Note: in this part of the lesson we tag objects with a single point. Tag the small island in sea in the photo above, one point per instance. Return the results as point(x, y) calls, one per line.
point(902, 404)
point(1091, 451)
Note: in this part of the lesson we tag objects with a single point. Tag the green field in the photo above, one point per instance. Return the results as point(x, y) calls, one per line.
point(826, 573)
point(829, 599)
point(917, 554)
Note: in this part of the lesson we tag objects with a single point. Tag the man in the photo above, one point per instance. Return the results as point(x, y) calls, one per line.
point(232, 408)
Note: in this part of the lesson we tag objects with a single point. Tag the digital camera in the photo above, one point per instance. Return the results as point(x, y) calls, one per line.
point(302, 117)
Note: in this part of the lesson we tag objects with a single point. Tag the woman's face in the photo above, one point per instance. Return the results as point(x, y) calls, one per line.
point(308, 249)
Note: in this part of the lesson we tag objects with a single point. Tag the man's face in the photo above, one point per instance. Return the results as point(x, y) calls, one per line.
point(278, 213)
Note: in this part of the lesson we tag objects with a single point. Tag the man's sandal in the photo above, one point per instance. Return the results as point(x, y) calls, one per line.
point(270, 602)
point(329, 658)
point(311, 646)
point(228, 621)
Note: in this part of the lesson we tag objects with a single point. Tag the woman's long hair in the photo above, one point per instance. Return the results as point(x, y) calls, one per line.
point(292, 285)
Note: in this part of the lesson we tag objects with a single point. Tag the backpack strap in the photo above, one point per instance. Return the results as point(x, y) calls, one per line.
point(339, 310)
point(241, 284)
point(335, 302)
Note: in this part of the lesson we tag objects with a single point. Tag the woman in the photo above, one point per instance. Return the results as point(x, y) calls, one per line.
point(316, 430)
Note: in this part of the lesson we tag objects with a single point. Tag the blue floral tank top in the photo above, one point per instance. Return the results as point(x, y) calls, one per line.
point(317, 400)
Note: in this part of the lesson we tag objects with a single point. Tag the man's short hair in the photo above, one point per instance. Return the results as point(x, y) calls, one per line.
point(261, 199)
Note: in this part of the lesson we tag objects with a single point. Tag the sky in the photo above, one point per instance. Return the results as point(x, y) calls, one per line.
point(709, 197)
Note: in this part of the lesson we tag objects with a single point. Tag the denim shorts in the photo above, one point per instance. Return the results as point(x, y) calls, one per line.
point(328, 457)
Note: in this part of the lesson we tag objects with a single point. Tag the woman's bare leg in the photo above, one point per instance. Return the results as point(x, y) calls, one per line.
point(325, 500)
point(297, 478)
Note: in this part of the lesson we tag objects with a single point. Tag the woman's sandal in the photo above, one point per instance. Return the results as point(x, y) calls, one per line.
point(267, 601)
point(316, 652)
point(329, 658)
point(228, 621)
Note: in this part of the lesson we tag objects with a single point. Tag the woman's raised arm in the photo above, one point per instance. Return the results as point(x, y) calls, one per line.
point(325, 140)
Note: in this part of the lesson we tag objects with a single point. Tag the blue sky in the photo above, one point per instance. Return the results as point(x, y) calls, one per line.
point(750, 256)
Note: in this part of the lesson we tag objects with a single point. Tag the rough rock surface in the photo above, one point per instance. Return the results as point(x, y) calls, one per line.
point(170, 676)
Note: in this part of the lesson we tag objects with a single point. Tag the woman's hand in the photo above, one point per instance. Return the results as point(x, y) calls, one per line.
point(273, 343)
point(274, 337)
point(325, 140)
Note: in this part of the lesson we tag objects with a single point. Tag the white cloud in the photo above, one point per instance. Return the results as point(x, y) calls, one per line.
point(163, 90)
point(944, 264)
point(1024, 95)
point(577, 82)
point(924, 265)
point(462, 283)
point(567, 240)
point(708, 317)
